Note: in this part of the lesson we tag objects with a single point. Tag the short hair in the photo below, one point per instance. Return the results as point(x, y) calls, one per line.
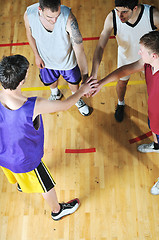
point(151, 41)
point(13, 70)
point(53, 5)
point(126, 3)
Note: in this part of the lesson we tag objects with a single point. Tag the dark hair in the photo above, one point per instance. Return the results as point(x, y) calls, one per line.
point(151, 41)
point(126, 3)
point(13, 70)
point(53, 5)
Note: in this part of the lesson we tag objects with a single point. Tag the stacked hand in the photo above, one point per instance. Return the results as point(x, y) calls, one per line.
point(95, 87)
point(89, 87)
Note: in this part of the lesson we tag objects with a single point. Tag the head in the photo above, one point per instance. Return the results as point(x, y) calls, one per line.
point(149, 47)
point(125, 9)
point(50, 9)
point(13, 70)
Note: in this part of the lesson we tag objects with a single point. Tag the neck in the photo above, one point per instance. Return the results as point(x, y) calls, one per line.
point(135, 14)
point(155, 66)
point(16, 92)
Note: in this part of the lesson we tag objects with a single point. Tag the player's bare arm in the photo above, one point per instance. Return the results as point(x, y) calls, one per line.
point(31, 40)
point(156, 17)
point(104, 37)
point(46, 106)
point(77, 44)
point(123, 71)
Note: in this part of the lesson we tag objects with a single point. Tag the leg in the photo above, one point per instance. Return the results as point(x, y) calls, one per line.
point(54, 85)
point(83, 108)
point(62, 209)
point(73, 87)
point(151, 147)
point(121, 90)
point(50, 77)
point(73, 77)
point(51, 199)
point(155, 138)
point(56, 94)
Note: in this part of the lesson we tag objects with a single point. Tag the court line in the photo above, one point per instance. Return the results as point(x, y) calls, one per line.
point(86, 150)
point(137, 139)
point(26, 43)
point(30, 89)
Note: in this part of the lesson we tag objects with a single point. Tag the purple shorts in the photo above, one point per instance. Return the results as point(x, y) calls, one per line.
point(49, 76)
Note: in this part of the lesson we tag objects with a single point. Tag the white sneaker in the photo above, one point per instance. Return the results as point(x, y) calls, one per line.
point(155, 188)
point(83, 107)
point(145, 148)
point(57, 96)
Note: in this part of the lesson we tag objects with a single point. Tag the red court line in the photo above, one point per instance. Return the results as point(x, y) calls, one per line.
point(14, 44)
point(26, 43)
point(86, 150)
point(137, 139)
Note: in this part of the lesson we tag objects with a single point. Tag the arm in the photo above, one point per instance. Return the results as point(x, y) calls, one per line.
point(38, 60)
point(45, 106)
point(123, 71)
point(77, 44)
point(105, 34)
point(156, 17)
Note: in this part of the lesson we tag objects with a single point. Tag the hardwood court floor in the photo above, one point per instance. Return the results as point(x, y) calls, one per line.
point(113, 183)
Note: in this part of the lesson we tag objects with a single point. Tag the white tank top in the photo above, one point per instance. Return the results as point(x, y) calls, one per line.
point(128, 35)
point(54, 47)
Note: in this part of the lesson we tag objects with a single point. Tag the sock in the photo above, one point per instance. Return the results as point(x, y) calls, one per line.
point(73, 92)
point(54, 91)
point(121, 102)
point(156, 146)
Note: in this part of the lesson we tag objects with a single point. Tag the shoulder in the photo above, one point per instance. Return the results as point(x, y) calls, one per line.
point(71, 22)
point(156, 17)
point(65, 9)
point(108, 23)
point(32, 9)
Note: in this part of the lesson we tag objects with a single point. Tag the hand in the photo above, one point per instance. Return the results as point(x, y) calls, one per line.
point(89, 86)
point(39, 62)
point(96, 90)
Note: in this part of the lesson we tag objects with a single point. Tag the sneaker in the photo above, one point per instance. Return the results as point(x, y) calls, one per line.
point(19, 188)
point(66, 209)
point(119, 113)
point(57, 96)
point(145, 148)
point(155, 188)
point(83, 108)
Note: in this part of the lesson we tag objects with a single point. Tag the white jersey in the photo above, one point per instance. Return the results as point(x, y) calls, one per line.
point(54, 47)
point(128, 35)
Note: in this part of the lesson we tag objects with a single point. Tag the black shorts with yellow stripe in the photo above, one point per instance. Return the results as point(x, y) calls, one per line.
point(38, 180)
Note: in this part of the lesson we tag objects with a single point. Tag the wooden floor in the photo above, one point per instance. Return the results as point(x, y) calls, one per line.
point(113, 183)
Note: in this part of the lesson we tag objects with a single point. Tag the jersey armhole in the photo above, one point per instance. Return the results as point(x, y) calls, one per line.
point(114, 23)
point(151, 18)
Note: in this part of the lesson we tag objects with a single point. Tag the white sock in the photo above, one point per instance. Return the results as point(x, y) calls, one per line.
point(121, 102)
point(54, 91)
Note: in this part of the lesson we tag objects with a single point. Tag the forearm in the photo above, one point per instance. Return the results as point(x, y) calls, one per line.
point(97, 58)
point(122, 72)
point(82, 63)
point(72, 99)
point(32, 43)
